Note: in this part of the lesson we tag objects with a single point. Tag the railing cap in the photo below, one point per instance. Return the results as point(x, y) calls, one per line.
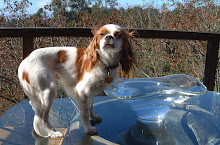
point(86, 32)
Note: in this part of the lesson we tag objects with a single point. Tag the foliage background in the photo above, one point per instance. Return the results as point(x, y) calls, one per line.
point(156, 57)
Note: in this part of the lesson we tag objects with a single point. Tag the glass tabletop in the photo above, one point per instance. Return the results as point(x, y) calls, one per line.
point(174, 110)
point(16, 123)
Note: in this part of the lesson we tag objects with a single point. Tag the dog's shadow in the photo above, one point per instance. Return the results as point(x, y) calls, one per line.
point(93, 123)
point(39, 140)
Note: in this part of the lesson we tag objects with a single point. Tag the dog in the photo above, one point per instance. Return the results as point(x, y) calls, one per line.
point(83, 73)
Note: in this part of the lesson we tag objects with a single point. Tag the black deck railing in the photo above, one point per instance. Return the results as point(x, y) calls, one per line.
point(28, 35)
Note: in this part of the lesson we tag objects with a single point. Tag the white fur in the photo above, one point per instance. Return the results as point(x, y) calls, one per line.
point(43, 68)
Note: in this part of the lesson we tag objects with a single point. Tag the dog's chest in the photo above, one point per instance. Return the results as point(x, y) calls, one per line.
point(102, 80)
point(99, 85)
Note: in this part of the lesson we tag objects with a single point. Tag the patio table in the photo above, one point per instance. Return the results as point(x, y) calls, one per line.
point(136, 111)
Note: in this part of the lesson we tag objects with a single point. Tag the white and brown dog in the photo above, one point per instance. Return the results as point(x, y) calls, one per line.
point(83, 73)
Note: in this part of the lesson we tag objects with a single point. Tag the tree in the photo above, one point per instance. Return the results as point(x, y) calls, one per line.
point(17, 11)
point(39, 13)
point(72, 9)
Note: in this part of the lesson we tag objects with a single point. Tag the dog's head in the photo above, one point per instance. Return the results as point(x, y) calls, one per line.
point(111, 39)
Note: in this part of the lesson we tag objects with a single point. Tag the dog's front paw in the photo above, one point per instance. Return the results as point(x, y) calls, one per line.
point(55, 134)
point(91, 131)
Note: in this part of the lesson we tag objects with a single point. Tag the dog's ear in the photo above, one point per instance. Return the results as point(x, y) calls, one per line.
point(127, 59)
point(91, 54)
point(94, 30)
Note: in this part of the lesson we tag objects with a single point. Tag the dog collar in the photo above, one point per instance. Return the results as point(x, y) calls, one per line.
point(109, 79)
point(112, 67)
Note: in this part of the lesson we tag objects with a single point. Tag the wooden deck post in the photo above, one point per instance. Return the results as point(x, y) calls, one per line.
point(28, 45)
point(211, 64)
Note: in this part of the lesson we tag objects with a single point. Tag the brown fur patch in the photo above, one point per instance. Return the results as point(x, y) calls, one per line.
point(99, 35)
point(103, 31)
point(118, 34)
point(62, 56)
point(25, 77)
point(85, 64)
point(79, 60)
point(127, 59)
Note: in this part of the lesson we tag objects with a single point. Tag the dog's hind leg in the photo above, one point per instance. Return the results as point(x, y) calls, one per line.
point(48, 96)
point(38, 123)
point(41, 119)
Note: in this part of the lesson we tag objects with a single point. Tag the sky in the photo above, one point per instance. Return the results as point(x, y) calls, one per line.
point(36, 4)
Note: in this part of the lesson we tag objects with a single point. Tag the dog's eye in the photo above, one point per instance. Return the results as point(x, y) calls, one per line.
point(118, 35)
point(101, 34)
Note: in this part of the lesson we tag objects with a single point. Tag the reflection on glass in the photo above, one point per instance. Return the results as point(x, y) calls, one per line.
point(172, 110)
point(152, 98)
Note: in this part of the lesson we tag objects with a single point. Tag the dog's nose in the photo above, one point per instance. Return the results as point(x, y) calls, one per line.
point(108, 37)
